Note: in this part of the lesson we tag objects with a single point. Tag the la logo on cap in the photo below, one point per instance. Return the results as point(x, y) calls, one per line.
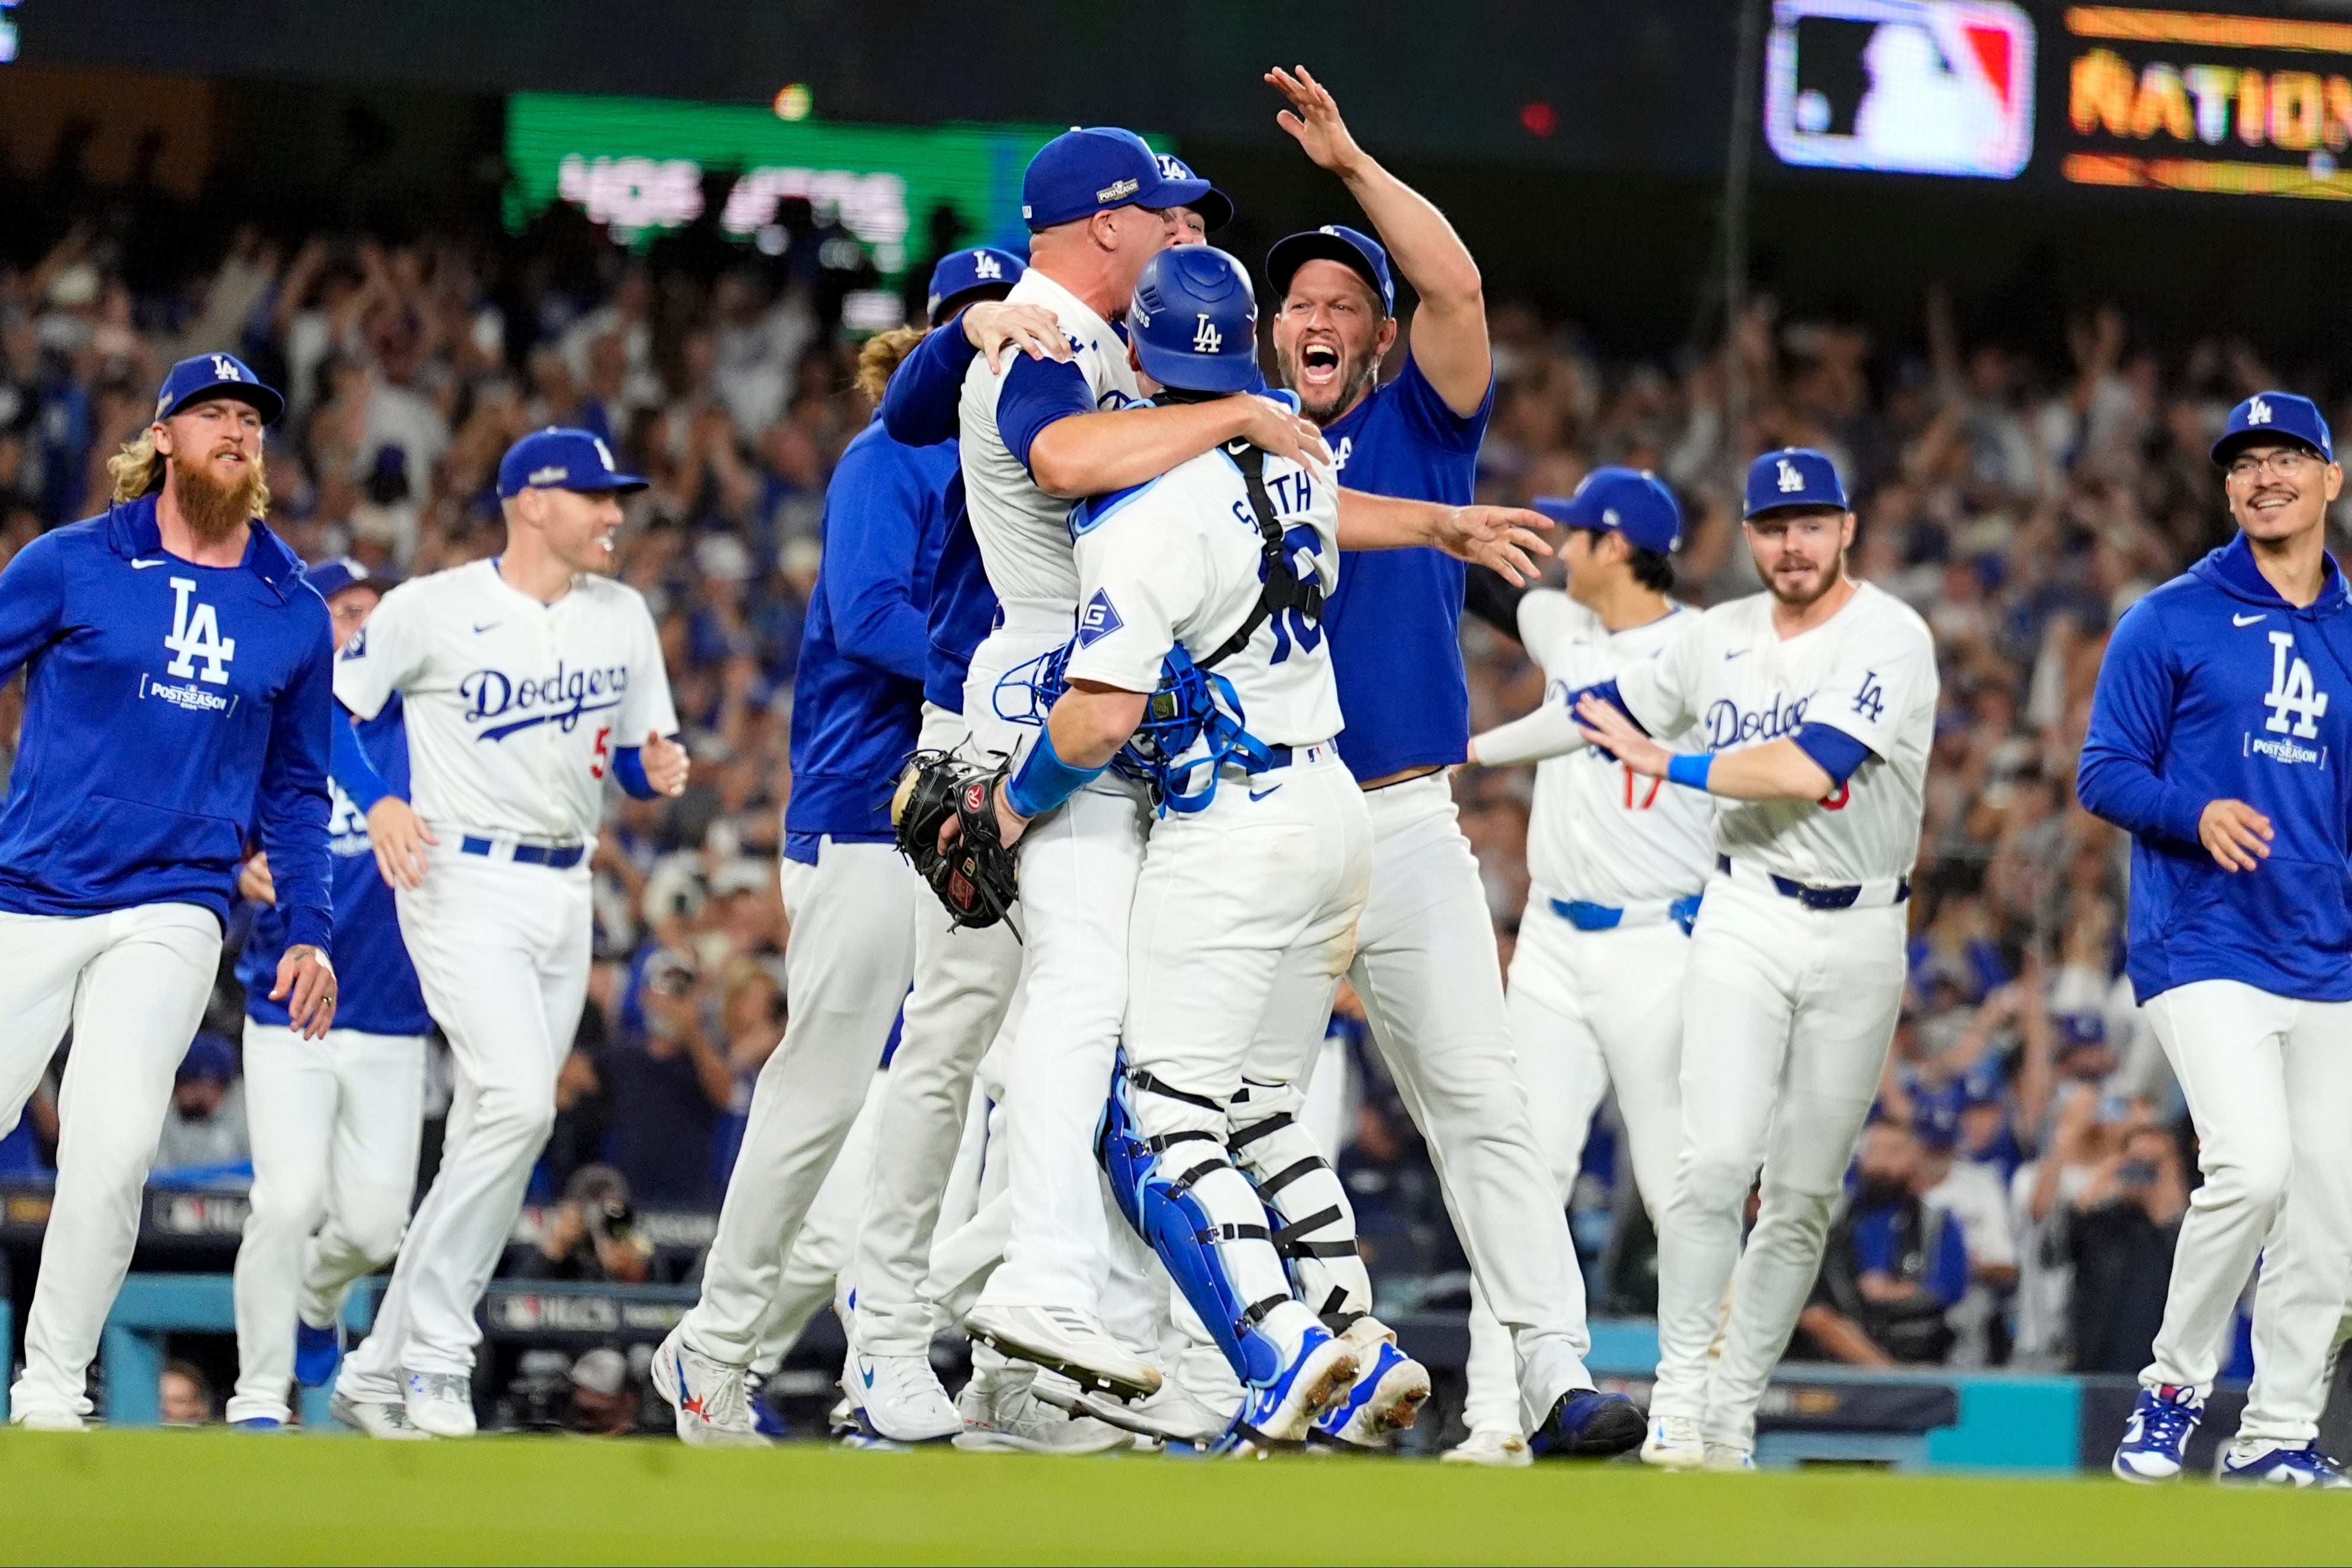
point(985, 265)
point(1791, 480)
point(2258, 412)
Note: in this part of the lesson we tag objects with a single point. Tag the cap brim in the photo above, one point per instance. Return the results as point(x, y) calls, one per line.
point(2226, 447)
point(1565, 512)
point(1748, 517)
point(614, 484)
point(1290, 253)
point(265, 401)
point(1175, 194)
point(1216, 209)
point(946, 307)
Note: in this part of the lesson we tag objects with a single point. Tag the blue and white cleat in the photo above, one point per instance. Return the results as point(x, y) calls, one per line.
point(708, 1395)
point(2156, 1440)
point(317, 1353)
point(2277, 1465)
point(1730, 1458)
point(766, 1419)
point(898, 1397)
point(1284, 1412)
point(259, 1424)
point(1386, 1397)
point(1586, 1424)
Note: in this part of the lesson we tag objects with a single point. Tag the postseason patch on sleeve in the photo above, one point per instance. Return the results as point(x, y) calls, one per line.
point(1099, 619)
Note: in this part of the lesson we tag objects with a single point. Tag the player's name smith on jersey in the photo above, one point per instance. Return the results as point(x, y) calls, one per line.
point(565, 695)
point(1728, 724)
point(2286, 751)
point(186, 694)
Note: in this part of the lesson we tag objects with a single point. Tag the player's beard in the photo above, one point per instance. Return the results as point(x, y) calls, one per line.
point(214, 511)
point(1343, 392)
point(1786, 590)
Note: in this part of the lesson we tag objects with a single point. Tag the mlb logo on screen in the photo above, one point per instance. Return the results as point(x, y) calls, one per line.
point(1901, 87)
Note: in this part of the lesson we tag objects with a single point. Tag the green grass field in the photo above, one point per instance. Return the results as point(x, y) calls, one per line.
point(219, 1497)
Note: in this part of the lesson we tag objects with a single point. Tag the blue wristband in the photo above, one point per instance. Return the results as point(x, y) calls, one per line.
point(1043, 781)
point(1689, 768)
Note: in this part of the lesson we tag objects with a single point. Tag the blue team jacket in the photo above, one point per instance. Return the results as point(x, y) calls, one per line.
point(167, 706)
point(857, 698)
point(2214, 688)
point(376, 982)
point(920, 409)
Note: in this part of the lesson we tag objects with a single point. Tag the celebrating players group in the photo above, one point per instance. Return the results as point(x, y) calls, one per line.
point(1120, 741)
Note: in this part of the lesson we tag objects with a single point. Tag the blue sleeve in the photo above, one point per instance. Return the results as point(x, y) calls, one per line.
point(919, 407)
point(629, 770)
point(294, 801)
point(353, 770)
point(2130, 734)
point(1948, 1271)
point(32, 601)
point(1873, 1242)
point(1838, 753)
point(873, 532)
point(1037, 394)
point(1433, 418)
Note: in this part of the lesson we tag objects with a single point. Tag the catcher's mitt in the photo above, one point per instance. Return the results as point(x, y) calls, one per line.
point(975, 878)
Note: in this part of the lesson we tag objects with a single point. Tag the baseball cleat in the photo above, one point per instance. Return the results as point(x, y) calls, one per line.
point(1005, 1415)
point(1386, 1396)
point(257, 1424)
point(2156, 1436)
point(899, 1397)
point(1674, 1443)
point(2261, 1464)
point(708, 1394)
point(1064, 1340)
point(1491, 1446)
point(1174, 1415)
point(766, 1419)
point(40, 1420)
point(317, 1353)
point(1586, 1424)
point(1729, 1456)
point(440, 1403)
point(1282, 1413)
point(385, 1418)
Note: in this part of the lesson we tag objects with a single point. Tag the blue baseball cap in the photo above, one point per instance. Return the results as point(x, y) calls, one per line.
point(1351, 248)
point(1216, 208)
point(1193, 321)
point(963, 273)
point(1634, 503)
point(1092, 170)
point(201, 376)
point(2274, 416)
point(1792, 477)
point(560, 459)
point(2078, 1029)
point(210, 1059)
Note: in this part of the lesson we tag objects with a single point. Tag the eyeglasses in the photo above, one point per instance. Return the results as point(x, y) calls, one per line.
point(2289, 462)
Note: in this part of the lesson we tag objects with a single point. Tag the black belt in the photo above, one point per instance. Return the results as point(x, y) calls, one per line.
point(1817, 898)
point(556, 857)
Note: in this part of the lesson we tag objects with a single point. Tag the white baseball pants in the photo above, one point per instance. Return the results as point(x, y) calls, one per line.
point(1788, 1014)
point(814, 1274)
point(964, 984)
point(133, 983)
point(1589, 1009)
point(1432, 986)
point(2268, 1084)
point(847, 963)
point(335, 1126)
point(501, 951)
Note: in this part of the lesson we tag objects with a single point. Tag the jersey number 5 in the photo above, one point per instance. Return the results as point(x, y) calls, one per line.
point(603, 757)
point(1646, 801)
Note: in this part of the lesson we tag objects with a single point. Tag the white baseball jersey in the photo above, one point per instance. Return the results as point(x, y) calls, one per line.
point(1869, 671)
point(1024, 534)
point(1177, 561)
point(514, 706)
point(1597, 831)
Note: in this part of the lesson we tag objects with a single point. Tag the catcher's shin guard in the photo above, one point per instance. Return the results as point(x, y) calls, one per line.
point(1317, 1234)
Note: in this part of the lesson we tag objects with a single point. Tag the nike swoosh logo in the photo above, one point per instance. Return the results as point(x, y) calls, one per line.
point(2235, 620)
point(143, 565)
point(484, 626)
point(1260, 795)
point(1736, 654)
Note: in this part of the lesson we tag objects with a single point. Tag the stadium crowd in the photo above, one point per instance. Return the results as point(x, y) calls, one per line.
point(2015, 1201)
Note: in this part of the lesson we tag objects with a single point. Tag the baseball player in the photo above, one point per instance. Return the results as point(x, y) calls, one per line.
point(850, 898)
point(1425, 961)
point(1616, 863)
point(178, 674)
point(1816, 704)
point(335, 1122)
point(2220, 703)
point(527, 680)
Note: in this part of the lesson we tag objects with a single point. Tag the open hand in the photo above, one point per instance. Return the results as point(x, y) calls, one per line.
point(1272, 428)
point(306, 975)
point(398, 835)
point(995, 326)
point(254, 881)
point(2237, 836)
point(1606, 726)
point(1313, 118)
point(1505, 540)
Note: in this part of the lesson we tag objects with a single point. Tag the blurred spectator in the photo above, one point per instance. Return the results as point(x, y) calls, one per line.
point(184, 1395)
point(605, 1399)
point(1895, 1266)
point(204, 1129)
point(593, 1235)
point(671, 1083)
point(2125, 1222)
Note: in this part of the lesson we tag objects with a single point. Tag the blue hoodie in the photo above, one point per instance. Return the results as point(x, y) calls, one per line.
point(2216, 688)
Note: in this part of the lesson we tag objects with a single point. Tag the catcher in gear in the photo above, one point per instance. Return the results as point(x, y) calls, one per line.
point(971, 870)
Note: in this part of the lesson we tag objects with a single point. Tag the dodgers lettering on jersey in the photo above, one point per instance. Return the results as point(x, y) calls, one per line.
point(1868, 671)
point(168, 706)
point(2214, 688)
point(1179, 560)
point(1394, 622)
point(1598, 832)
point(376, 986)
point(514, 706)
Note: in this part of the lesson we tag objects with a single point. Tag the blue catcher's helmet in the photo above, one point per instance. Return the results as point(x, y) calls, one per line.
point(1195, 320)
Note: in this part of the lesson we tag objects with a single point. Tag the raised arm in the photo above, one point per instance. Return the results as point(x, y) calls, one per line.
point(1449, 329)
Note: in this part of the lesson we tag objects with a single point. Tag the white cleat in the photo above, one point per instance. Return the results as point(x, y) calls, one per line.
point(1064, 1340)
point(439, 1404)
point(713, 1410)
point(1674, 1443)
point(1729, 1456)
point(1005, 1416)
point(1174, 1415)
point(382, 1418)
point(898, 1397)
point(1491, 1446)
point(37, 1419)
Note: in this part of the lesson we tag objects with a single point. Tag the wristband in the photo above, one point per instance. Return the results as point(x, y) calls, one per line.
point(1043, 781)
point(1689, 768)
